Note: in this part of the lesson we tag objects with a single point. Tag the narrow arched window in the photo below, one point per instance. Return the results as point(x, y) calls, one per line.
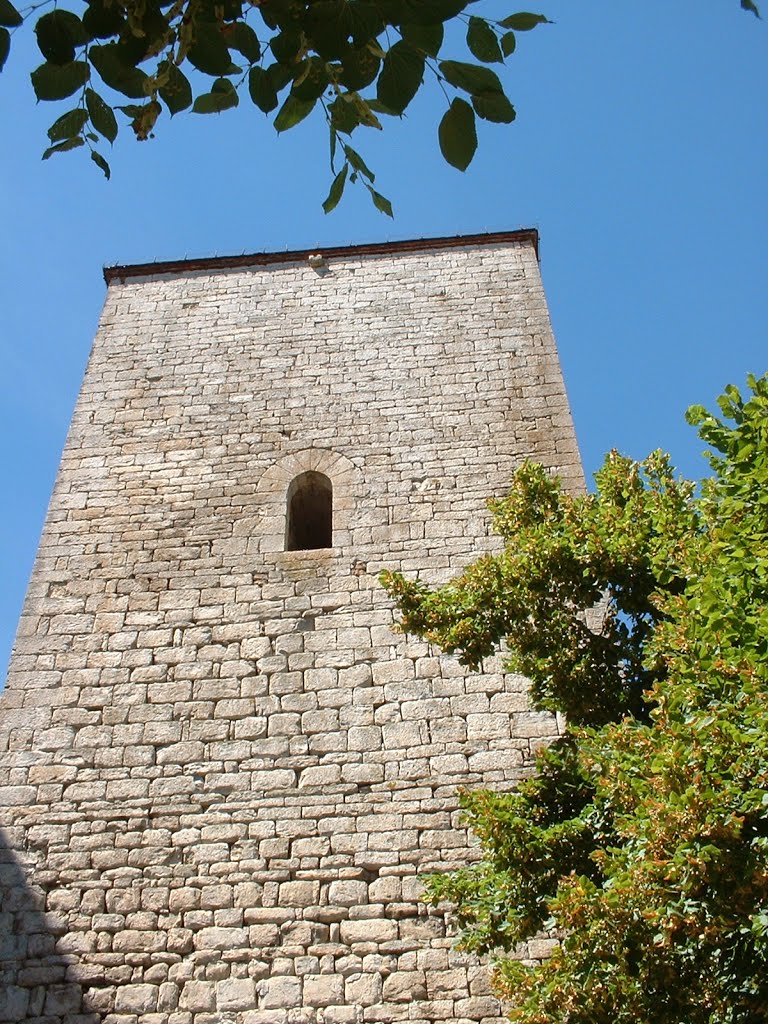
point(309, 513)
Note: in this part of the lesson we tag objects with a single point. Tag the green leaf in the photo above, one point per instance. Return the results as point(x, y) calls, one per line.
point(749, 5)
point(103, 19)
point(508, 43)
point(285, 46)
point(365, 112)
point(5, 46)
point(359, 68)
point(358, 163)
point(143, 117)
point(524, 22)
point(428, 38)
point(62, 147)
point(133, 110)
point(470, 77)
point(329, 26)
point(148, 29)
point(345, 116)
point(58, 34)
point(400, 76)
point(312, 79)
point(68, 125)
point(494, 106)
point(230, 9)
point(430, 12)
point(102, 116)
point(56, 81)
point(365, 22)
point(380, 108)
point(116, 72)
point(279, 76)
point(9, 16)
point(337, 190)
point(292, 112)
point(222, 96)
point(482, 41)
point(176, 92)
point(243, 39)
point(209, 53)
point(99, 160)
point(262, 90)
point(457, 134)
point(381, 203)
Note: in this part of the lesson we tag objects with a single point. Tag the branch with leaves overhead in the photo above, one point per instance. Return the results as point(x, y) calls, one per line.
point(357, 61)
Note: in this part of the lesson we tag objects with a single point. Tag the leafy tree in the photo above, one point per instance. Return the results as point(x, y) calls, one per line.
point(641, 839)
point(355, 61)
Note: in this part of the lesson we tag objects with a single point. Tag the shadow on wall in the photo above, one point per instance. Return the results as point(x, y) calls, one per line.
point(35, 979)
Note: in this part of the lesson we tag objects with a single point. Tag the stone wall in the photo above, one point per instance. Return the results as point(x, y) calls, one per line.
point(222, 770)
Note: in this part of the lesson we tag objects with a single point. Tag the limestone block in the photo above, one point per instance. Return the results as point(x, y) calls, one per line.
point(479, 980)
point(385, 1013)
point(442, 982)
point(404, 987)
point(198, 996)
point(15, 796)
point(214, 897)
point(279, 993)
point(184, 899)
point(323, 990)
point(375, 931)
point(250, 727)
point(168, 997)
point(364, 738)
point(236, 994)
point(341, 1015)
point(255, 647)
point(13, 1003)
point(363, 989)
point(299, 894)
point(386, 889)
point(136, 998)
point(277, 779)
point(348, 893)
point(325, 775)
point(139, 941)
point(477, 1007)
point(181, 753)
point(262, 936)
point(531, 724)
point(404, 735)
point(221, 938)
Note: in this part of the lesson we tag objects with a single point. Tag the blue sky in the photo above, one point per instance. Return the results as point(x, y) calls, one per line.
point(639, 153)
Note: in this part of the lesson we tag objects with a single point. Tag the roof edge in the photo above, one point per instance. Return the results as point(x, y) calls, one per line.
point(130, 270)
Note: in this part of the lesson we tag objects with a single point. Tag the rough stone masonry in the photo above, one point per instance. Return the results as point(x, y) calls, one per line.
point(222, 770)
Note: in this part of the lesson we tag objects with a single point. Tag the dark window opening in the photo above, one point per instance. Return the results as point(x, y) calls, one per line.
point(309, 522)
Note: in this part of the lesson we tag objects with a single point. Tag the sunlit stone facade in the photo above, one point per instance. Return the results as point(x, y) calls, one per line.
point(222, 770)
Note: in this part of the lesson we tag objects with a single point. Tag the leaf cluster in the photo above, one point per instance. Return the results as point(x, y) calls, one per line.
point(355, 61)
point(642, 838)
point(574, 594)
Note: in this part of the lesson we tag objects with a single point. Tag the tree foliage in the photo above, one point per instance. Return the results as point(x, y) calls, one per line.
point(641, 839)
point(357, 62)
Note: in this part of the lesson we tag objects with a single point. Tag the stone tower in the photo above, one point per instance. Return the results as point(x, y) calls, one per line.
point(222, 771)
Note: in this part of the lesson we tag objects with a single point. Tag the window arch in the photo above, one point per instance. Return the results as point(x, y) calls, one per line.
point(309, 512)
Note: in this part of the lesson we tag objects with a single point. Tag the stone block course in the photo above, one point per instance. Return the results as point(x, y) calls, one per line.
point(223, 769)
